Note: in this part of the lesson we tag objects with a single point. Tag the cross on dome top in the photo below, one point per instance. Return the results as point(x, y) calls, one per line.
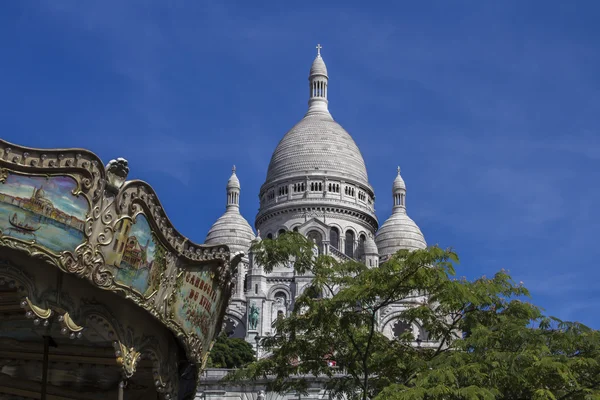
point(233, 169)
point(398, 170)
point(319, 47)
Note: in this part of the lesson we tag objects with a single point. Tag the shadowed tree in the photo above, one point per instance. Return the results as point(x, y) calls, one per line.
point(230, 353)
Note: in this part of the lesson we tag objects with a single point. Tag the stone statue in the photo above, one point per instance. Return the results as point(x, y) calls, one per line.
point(261, 395)
point(253, 316)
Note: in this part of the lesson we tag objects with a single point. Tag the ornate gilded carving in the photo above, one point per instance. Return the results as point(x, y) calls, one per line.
point(70, 324)
point(87, 262)
point(43, 313)
point(127, 358)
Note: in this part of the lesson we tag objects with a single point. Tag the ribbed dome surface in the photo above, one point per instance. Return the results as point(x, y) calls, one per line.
point(399, 232)
point(398, 183)
point(234, 182)
point(233, 230)
point(318, 67)
point(370, 246)
point(317, 143)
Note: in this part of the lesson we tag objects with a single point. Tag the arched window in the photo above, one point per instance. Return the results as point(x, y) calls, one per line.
point(361, 244)
point(295, 229)
point(334, 238)
point(401, 327)
point(281, 232)
point(280, 298)
point(270, 236)
point(349, 248)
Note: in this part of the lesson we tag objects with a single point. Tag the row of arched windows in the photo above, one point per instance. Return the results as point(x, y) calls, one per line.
point(318, 89)
point(334, 241)
point(300, 187)
point(399, 199)
point(316, 186)
point(283, 190)
point(233, 198)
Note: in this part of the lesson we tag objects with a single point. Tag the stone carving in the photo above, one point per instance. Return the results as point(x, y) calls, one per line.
point(261, 395)
point(253, 316)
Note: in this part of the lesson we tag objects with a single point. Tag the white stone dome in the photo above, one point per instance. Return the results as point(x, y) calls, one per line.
point(317, 144)
point(399, 232)
point(398, 183)
point(370, 246)
point(234, 182)
point(318, 67)
point(232, 230)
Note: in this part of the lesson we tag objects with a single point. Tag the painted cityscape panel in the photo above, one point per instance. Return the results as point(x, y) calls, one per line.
point(198, 300)
point(135, 256)
point(43, 209)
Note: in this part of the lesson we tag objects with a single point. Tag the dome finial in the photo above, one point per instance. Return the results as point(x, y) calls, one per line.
point(317, 84)
point(233, 190)
point(399, 193)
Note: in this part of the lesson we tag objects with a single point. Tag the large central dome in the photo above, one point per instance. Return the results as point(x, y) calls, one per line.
point(317, 171)
point(317, 144)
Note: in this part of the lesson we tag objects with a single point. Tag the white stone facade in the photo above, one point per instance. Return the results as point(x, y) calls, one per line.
point(316, 184)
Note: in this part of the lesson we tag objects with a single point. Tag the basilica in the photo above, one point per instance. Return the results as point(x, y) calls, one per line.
point(316, 184)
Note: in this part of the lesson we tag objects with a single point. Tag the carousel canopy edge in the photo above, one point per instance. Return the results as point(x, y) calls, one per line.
point(88, 220)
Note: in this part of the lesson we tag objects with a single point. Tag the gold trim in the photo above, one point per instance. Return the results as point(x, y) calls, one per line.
point(128, 359)
point(38, 311)
point(69, 323)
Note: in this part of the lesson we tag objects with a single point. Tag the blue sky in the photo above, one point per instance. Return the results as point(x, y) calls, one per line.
point(492, 110)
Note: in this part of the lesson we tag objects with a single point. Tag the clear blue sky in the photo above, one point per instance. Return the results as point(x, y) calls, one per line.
point(491, 108)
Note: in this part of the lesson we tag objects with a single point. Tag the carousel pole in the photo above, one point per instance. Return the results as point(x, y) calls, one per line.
point(121, 387)
point(48, 341)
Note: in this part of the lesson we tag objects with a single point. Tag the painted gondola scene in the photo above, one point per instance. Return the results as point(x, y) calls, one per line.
point(43, 209)
point(135, 257)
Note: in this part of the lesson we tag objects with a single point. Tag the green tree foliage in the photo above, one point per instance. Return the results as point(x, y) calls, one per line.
point(485, 340)
point(230, 353)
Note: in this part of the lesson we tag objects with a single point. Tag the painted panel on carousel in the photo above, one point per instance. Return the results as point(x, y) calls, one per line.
point(135, 257)
point(43, 209)
point(197, 302)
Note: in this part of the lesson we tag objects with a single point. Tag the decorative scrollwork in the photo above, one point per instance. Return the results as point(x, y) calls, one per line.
point(83, 163)
point(87, 262)
point(128, 358)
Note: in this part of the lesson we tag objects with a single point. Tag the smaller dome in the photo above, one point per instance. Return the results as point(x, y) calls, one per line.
point(232, 230)
point(370, 246)
point(234, 182)
point(399, 232)
point(318, 67)
point(398, 183)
